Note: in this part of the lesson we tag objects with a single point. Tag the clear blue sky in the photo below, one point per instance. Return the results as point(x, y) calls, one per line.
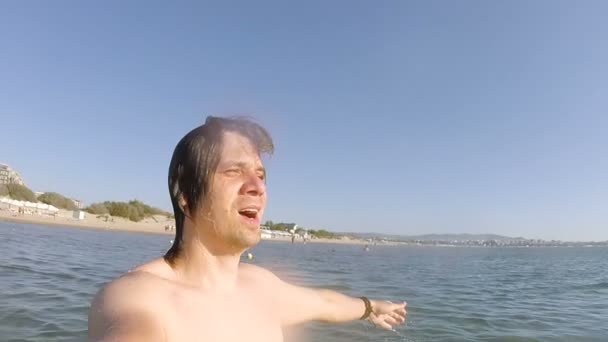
point(394, 116)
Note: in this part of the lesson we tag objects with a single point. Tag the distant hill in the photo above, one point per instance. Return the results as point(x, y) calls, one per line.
point(433, 237)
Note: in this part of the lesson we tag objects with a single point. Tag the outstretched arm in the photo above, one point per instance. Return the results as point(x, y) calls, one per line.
point(301, 304)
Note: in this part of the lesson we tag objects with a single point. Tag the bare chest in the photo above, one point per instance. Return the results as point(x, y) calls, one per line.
point(235, 318)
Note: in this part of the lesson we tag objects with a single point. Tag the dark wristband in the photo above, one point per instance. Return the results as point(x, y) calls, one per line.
point(368, 307)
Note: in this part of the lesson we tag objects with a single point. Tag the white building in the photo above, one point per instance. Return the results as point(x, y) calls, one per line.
point(266, 234)
point(9, 176)
point(79, 214)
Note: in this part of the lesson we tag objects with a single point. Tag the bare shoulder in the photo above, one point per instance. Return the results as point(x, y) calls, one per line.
point(127, 290)
point(128, 308)
point(263, 280)
point(249, 272)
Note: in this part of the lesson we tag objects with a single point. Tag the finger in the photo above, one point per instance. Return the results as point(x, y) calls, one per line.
point(399, 305)
point(397, 317)
point(390, 320)
point(380, 323)
point(401, 311)
point(377, 320)
point(384, 325)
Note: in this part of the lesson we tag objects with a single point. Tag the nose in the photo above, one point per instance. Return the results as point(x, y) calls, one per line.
point(253, 185)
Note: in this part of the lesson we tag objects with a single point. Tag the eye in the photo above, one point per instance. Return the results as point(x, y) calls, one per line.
point(233, 172)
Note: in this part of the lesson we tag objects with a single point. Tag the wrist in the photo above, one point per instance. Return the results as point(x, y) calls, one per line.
point(368, 308)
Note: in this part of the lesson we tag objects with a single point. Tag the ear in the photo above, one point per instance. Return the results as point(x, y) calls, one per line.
point(183, 205)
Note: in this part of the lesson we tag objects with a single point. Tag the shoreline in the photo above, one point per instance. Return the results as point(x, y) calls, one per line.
point(137, 227)
point(76, 225)
point(156, 227)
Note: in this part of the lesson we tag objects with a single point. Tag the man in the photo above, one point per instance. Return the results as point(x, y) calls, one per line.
point(199, 291)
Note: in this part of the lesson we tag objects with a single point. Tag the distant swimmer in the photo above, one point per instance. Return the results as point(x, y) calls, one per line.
point(200, 290)
point(366, 248)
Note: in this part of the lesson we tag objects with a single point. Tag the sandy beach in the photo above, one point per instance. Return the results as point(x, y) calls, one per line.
point(150, 225)
point(65, 218)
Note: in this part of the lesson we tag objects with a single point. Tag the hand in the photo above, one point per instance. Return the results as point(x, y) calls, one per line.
point(387, 315)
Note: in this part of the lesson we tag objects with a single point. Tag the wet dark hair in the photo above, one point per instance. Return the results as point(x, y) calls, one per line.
point(194, 161)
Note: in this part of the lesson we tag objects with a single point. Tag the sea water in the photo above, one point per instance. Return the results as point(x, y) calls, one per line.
point(48, 276)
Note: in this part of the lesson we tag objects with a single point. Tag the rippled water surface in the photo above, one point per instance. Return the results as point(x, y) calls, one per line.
point(48, 276)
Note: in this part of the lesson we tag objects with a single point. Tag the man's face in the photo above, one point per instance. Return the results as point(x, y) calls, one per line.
point(237, 196)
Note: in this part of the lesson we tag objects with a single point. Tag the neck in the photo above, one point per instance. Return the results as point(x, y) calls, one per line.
point(202, 264)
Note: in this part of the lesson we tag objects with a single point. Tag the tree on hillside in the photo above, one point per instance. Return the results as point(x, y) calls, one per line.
point(136, 213)
point(322, 234)
point(120, 209)
point(133, 210)
point(278, 226)
point(146, 210)
point(57, 200)
point(20, 193)
point(97, 209)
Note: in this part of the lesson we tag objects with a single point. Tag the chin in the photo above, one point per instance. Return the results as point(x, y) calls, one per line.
point(248, 239)
point(253, 240)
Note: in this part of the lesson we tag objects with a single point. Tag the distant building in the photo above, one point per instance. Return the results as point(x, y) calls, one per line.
point(291, 227)
point(78, 214)
point(77, 203)
point(273, 234)
point(9, 176)
point(266, 234)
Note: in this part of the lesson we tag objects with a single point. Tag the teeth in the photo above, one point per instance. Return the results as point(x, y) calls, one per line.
point(254, 211)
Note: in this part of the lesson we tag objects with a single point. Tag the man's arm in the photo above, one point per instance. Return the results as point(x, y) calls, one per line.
point(119, 313)
point(298, 304)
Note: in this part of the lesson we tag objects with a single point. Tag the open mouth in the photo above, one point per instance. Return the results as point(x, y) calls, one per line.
point(249, 214)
